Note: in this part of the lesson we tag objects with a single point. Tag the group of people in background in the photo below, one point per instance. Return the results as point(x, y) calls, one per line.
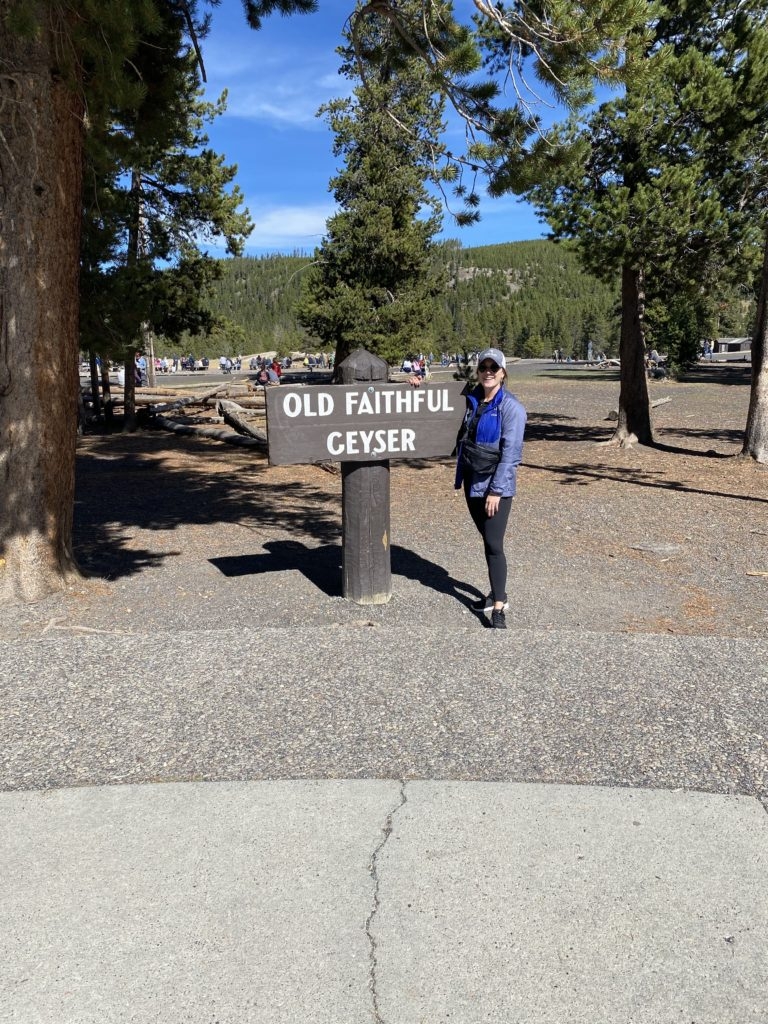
point(416, 366)
point(269, 371)
point(167, 364)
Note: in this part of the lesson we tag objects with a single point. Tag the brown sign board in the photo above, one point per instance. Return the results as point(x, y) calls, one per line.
point(362, 422)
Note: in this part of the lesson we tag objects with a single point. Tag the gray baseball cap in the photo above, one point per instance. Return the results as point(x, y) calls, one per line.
point(495, 354)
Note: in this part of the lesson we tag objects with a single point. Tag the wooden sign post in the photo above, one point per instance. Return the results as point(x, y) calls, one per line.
point(363, 423)
point(366, 565)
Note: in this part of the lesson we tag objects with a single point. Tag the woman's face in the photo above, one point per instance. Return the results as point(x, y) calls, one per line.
point(490, 374)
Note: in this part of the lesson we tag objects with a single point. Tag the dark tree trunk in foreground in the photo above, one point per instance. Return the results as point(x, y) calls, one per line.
point(634, 411)
point(40, 190)
point(756, 434)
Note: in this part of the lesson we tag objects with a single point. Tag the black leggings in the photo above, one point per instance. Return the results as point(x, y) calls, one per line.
point(492, 530)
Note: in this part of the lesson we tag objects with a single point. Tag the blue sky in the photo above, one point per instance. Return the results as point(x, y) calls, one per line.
point(276, 79)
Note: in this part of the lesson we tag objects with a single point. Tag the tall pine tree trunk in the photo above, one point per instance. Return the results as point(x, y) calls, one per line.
point(40, 194)
point(756, 434)
point(634, 408)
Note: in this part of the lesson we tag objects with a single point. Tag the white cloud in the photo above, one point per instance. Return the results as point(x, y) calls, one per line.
point(278, 85)
point(288, 226)
point(277, 106)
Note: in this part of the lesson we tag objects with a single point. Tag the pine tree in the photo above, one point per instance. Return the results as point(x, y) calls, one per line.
point(375, 277)
point(62, 65)
point(154, 192)
point(644, 184)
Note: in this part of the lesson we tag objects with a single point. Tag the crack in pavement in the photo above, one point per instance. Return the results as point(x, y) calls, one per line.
point(373, 868)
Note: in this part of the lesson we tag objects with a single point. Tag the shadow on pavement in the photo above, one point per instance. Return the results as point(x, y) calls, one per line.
point(322, 567)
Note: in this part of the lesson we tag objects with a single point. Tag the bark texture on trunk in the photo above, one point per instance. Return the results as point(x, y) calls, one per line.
point(40, 189)
point(634, 411)
point(756, 434)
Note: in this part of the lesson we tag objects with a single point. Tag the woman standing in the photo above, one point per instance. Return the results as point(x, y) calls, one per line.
point(489, 451)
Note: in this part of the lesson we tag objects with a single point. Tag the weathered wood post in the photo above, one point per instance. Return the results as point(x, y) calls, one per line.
point(366, 561)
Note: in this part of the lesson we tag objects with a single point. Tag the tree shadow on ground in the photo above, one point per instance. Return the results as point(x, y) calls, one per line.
point(721, 435)
point(580, 372)
point(322, 566)
point(127, 484)
point(584, 474)
point(718, 373)
point(555, 427)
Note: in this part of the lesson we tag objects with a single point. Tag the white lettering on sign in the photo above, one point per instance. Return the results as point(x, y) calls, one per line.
point(371, 442)
point(310, 403)
point(409, 400)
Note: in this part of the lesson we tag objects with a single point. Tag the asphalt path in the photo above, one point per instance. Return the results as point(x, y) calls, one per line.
point(357, 701)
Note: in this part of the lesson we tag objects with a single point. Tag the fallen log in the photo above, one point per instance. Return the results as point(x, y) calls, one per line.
point(253, 402)
point(145, 400)
point(203, 420)
point(210, 432)
point(189, 400)
point(234, 416)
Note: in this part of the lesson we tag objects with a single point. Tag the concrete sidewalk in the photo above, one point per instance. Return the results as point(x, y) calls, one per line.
point(385, 902)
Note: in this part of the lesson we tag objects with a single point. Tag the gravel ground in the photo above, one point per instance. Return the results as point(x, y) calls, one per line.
point(184, 534)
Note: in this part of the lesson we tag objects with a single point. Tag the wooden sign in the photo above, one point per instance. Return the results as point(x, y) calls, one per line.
point(363, 422)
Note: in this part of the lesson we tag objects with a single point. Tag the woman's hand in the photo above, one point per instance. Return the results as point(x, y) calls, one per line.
point(492, 502)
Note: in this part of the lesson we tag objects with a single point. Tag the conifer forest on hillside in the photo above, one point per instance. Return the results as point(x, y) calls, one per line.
point(528, 297)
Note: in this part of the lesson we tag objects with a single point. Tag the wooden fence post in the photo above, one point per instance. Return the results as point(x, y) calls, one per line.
point(366, 562)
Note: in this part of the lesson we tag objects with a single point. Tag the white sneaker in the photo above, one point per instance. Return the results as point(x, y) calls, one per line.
point(485, 604)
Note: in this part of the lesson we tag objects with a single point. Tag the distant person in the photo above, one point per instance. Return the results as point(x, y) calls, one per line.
point(489, 450)
point(141, 370)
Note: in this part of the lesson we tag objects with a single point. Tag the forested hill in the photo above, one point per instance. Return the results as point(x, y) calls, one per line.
point(530, 297)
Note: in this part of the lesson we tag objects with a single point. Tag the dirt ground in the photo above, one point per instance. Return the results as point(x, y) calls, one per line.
point(671, 539)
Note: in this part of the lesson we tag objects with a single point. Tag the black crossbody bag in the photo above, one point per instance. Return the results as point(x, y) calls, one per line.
point(479, 458)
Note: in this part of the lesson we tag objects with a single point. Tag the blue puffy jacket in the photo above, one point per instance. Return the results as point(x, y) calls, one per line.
point(501, 425)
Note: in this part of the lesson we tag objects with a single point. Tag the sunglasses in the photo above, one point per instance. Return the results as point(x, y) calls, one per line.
point(489, 368)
